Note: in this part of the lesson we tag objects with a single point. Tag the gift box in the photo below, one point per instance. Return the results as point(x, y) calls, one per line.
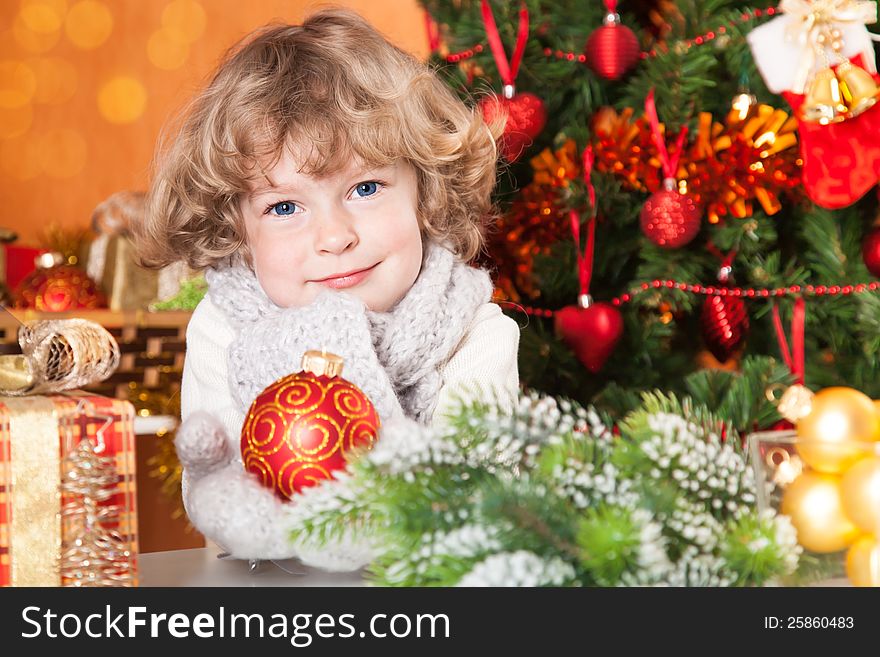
point(127, 285)
point(68, 514)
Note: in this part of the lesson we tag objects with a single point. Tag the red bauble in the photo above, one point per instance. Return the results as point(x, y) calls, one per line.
point(670, 219)
point(724, 324)
point(871, 251)
point(59, 288)
point(526, 117)
point(307, 425)
point(612, 49)
point(591, 332)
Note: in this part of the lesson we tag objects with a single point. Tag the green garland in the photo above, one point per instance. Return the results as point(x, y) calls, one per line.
point(550, 496)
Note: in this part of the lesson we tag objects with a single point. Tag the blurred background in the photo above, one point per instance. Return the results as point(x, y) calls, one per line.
point(86, 86)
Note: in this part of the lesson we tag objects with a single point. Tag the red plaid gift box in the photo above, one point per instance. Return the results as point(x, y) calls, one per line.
point(36, 434)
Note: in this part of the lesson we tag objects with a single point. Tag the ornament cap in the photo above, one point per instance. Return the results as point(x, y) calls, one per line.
point(509, 91)
point(585, 300)
point(48, 260)
point(670, 185)
point(612, 19)
point(322, 363)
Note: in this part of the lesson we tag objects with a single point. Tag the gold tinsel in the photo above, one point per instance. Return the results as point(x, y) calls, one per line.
point(727, 167)
point(164, 465)
point(92, 553)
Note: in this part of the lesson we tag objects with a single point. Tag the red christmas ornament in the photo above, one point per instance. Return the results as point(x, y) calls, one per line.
point(307, 425)
point(871, 251)
point(526, 118)
point(724, 323)
point(591, 330)
point(58, 288)
point(612, 49)
point(670, 219)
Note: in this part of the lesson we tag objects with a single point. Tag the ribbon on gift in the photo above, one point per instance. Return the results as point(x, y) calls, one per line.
point(812, 18)
point(30, 495)
point(38, 434)
point(58, 355)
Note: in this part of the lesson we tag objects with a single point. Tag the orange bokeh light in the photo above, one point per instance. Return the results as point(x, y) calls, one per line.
point(30, 41)
point(89, 24)
point(165, 51)
point(184, 19)
point(43, 16)
point(122, 99)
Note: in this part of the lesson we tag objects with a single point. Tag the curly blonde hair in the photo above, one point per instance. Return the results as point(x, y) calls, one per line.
point(337, 84)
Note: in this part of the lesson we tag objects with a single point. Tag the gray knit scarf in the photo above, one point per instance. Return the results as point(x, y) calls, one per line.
point(394, 357)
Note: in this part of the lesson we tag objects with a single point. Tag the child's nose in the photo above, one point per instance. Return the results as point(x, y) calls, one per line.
point(336, 235)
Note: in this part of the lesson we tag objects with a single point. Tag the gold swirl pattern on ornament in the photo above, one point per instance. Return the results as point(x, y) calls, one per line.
point(295, 476)
point(259, 466)
point(298, 394)
point(301, 437)
point(361, 436)
point(350, 401)
point(265, 429)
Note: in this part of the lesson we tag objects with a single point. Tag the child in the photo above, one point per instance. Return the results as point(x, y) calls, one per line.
point(334, 189)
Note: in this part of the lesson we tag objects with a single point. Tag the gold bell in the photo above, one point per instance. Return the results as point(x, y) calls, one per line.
point(858, 88)
point(823, 103)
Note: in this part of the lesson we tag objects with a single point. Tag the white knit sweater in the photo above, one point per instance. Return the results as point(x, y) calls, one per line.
point(485, 360)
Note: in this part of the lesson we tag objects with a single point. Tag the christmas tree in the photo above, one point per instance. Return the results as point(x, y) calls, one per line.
point(726, 251)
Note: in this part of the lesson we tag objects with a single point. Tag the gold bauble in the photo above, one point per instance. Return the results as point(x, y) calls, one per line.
point(863, 562)
point(860, 490)
point(838, 420)
point(813, 502)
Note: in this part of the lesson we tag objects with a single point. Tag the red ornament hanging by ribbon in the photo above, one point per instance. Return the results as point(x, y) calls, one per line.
point(724, 321)
point(590, 329)
point(669, 218)
point(612, 49)
point(525, 112)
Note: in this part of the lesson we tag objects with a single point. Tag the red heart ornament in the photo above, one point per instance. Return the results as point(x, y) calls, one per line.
point(526, 117)
point(592, 333)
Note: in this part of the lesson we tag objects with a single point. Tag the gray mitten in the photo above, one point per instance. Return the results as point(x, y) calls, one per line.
point(233, 509)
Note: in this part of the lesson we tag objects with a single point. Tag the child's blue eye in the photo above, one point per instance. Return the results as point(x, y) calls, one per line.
point(283, 209)
point(365, 189)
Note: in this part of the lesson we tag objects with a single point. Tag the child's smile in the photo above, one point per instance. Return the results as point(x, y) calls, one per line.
point(341, 281)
